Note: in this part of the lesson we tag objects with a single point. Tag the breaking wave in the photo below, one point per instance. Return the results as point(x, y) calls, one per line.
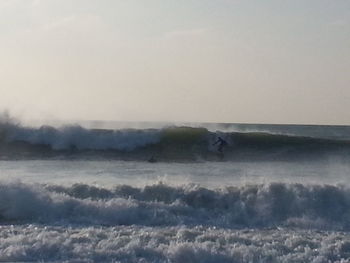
point(166, 144)
point(81, 138)
point(251, 206)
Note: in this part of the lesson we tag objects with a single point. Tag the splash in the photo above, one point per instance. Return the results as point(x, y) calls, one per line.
point(164, 144)
point(324, 207)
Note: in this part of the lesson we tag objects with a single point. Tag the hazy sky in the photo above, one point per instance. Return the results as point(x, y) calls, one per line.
point(251, 61)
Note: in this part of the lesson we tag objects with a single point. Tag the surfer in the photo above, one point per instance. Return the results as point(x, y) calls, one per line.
point(221, 144)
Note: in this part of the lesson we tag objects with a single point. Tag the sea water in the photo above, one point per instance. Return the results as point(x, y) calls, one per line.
point(69, 208)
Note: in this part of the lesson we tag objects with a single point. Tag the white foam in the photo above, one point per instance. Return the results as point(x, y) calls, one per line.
point(277, 204)
point(81, 138)
point(171, 244)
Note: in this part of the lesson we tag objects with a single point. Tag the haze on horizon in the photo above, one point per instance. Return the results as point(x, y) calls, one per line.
point(242, 61)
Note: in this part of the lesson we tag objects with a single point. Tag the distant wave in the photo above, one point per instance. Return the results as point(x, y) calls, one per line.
point(270, 205)
point(166, 144)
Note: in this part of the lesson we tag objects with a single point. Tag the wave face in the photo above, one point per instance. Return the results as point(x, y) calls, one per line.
point(166, 144)
point(253, 206)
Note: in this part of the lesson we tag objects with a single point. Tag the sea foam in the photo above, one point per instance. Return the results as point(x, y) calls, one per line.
point(34, 243)
point(254, 206)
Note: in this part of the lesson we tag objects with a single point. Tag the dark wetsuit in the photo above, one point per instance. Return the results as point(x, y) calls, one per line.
point(222, 143)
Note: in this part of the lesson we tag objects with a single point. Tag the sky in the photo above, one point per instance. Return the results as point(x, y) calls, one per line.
point(238, 61)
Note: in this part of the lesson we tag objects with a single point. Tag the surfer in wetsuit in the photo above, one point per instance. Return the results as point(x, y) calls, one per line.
point(221, 144)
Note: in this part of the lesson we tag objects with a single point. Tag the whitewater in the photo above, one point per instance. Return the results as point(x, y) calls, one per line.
point(278, 193)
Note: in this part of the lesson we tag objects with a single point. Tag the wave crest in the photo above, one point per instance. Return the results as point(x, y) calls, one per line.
point(270, 205)
point(166, 144)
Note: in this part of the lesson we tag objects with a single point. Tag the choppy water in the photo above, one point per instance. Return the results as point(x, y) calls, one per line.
point(64, 204)
point(116, 211)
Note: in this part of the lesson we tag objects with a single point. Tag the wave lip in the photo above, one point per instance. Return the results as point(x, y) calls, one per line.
point(252, 206)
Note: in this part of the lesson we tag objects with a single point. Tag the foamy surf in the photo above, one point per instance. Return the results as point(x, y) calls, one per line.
point(180, 244)
point(323, 207)
point(73, 194)
point(161, 223)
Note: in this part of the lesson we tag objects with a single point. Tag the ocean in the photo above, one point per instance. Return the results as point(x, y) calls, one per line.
point(160, 192)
